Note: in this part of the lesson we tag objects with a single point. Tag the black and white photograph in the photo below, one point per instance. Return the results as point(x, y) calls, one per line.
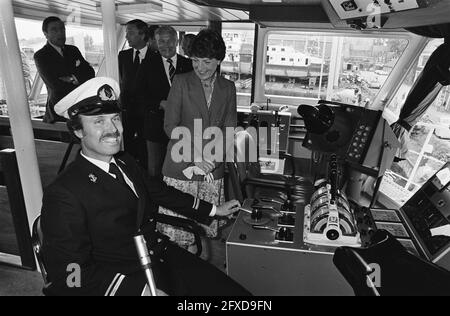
point(226, 155)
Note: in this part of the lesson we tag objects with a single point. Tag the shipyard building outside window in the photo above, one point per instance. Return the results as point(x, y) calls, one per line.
point(330, 67)
point(238, 64)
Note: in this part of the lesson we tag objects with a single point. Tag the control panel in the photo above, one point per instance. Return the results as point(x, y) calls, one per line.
point(277, 217)
point(260, 119)
point(350, 134)
point(421, 225)
point(362, 136)
point(267, 255)
point(351, 9)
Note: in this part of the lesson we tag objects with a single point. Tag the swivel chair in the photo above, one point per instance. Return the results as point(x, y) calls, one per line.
point(400, 272)
point(38, 239)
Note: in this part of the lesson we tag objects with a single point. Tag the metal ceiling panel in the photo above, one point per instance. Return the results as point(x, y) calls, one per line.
point(174, 11)
point(247, 4)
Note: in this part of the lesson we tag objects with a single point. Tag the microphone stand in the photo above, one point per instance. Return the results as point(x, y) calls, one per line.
point(146, 262)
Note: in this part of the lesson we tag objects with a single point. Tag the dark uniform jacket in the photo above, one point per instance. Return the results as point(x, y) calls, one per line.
point(133, 97)
point(157, 86)
point(52, 66)
point(89, 219)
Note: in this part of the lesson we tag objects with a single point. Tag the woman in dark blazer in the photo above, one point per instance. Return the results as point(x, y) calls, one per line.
point(198, 101)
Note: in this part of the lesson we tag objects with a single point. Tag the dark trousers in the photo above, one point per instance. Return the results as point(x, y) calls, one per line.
point(156, 153)
point(184, 274)
point(135, 144)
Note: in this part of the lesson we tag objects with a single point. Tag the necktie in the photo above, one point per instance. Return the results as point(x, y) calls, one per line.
point(62, 51)
point(137, 60)
point(114, 169)
point(172, 69)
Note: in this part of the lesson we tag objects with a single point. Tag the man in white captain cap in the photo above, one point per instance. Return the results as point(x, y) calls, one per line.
point(92, 211)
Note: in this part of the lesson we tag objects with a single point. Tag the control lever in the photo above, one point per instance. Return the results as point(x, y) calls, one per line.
point(286, 205)
point(266, 228)
point(267, 208)
point(245, 210)
point(268, 200)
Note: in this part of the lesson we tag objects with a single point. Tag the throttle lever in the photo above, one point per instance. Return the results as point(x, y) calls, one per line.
point(265, 228)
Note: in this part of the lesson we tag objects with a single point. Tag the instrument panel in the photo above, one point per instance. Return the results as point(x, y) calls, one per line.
point(351, 9)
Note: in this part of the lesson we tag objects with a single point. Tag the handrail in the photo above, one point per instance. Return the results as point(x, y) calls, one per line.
point(38, 124)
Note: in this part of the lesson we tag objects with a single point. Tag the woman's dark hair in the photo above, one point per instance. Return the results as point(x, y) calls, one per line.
point(49, 20)
point(208, 44)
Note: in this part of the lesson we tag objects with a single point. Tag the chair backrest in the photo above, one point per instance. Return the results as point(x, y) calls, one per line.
point(37, 241)
point(246, 156)
point(398, 271)
point(245, 163)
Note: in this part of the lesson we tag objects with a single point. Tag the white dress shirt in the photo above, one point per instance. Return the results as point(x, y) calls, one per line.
point(142, 54)
point(58, 49)
point(167, 65)
point(105, 167)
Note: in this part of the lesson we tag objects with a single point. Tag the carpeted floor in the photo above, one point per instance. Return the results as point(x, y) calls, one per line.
point(17, 282)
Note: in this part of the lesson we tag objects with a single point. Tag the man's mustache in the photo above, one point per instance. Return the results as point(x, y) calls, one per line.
point(112, 135)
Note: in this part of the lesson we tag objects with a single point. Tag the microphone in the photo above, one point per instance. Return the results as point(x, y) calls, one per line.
point(146, 262)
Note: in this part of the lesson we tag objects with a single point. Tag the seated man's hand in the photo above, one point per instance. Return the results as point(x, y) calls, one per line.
point(228, 208)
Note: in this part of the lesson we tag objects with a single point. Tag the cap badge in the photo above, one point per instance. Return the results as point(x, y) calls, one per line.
point(106, 93)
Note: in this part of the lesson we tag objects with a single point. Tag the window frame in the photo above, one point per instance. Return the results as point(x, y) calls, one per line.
point(254, 28)
point(381, 99)
point(384, 199)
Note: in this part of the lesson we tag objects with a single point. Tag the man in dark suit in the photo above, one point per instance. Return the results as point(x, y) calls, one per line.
point(92, 211)
point(61, 66)
point(132, 68)
point(162, 69)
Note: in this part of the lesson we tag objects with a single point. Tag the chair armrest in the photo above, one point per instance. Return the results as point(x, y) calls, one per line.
point(187, 225)
point(36, 241)
point(267, 183)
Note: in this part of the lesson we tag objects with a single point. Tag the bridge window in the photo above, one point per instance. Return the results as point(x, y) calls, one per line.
point(428, 142)
point(240, 68)
point(337, 67)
